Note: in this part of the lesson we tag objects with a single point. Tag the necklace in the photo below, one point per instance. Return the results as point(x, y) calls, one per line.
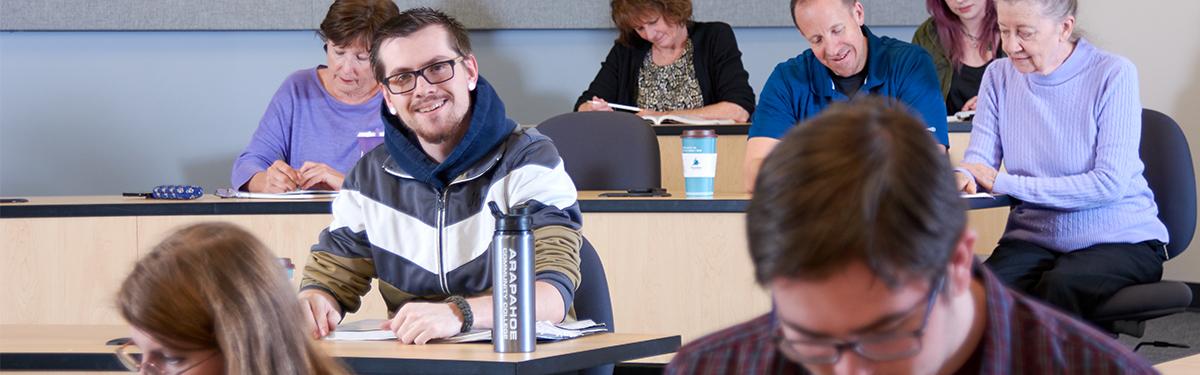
point(973, 38)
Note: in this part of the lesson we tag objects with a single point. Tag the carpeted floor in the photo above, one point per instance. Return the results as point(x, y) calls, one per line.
point(1183, 328)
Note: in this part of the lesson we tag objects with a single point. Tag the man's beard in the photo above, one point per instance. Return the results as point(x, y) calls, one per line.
point(438, 135)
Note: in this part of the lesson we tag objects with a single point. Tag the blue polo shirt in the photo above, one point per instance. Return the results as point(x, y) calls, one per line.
point(801, 87)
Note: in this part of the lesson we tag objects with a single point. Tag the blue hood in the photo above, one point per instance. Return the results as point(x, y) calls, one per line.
point(489, 127)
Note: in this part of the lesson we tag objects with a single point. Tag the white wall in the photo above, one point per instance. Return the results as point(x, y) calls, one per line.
point(1162, 38)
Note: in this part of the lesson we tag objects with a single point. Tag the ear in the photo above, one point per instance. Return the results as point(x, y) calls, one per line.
point(472, 67)
point(860, 16)
point(387, 100)
point(1068, 25)
point(958, 274)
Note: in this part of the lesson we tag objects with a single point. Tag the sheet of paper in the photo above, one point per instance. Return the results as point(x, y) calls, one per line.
point(368, 330)
point(298, 194)
point(978, 195)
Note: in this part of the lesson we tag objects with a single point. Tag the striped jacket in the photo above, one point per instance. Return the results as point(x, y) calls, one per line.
point(425, 243)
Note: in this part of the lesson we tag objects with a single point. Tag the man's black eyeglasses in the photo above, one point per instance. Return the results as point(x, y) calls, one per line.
point(438, 72)
point(878, 348)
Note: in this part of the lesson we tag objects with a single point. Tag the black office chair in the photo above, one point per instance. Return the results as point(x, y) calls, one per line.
point(606, 150)
point(1168, 161)
point(592, 300)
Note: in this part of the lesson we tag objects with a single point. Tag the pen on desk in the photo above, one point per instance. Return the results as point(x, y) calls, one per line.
point(620, 106)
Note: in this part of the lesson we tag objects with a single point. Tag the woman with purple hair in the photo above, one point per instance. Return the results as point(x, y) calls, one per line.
point(962, 37)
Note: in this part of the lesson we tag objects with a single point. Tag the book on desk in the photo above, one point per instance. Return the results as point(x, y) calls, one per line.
point(368, 330)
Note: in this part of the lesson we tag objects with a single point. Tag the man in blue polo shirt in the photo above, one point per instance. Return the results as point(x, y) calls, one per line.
point(845, 60)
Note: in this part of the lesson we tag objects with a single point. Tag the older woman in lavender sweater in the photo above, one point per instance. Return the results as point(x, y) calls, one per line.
point(1065, 119)
point(308, 137)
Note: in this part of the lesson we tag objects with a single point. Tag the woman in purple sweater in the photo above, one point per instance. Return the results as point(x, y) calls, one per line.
point(308, 137)
point(1065, 119)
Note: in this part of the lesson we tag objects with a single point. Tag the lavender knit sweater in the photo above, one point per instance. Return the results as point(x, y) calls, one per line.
point(305, 123)
point(1069, 141)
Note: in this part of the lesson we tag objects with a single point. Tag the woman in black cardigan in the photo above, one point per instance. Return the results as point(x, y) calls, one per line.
point(664, 63)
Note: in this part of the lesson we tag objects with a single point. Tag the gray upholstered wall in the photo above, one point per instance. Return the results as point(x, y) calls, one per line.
point(307, 14)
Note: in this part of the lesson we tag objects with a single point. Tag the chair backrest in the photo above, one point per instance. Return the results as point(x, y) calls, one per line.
point(1168, 161)
point(592, 300)
point(606, 150)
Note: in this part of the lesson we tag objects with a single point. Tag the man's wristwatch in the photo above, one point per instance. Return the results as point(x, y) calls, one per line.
point(465, 309)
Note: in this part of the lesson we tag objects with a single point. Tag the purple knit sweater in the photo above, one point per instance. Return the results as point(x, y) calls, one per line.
point(1069, 142)
point(304, 123)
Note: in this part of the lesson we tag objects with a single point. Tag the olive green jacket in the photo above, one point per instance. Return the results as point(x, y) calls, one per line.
point(927, 37)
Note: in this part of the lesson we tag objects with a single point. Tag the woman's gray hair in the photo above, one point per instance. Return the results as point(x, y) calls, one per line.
point(1058, 10)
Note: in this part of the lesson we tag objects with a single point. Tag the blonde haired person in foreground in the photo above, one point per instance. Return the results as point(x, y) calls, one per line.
point(211, 299)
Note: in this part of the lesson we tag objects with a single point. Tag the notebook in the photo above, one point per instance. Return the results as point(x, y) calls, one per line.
point(298, 194)
point(368, 330)
point(685, 120)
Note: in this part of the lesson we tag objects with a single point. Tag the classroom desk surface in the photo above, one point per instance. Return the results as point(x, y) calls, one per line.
point(81, 347)
point(1186, 365)
point(589, 201)
point(744, 129)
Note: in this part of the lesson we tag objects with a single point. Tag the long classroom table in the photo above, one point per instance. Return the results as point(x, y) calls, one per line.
point(674, 266)
point(83, 348)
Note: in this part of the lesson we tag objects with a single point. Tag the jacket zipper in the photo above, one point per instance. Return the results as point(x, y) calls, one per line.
point(441, 226)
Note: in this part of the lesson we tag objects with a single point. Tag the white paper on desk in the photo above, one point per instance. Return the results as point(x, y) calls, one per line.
point(368, 330)
point(546, 331)
point(978, 195)
point(362, 330)
point(298, 194)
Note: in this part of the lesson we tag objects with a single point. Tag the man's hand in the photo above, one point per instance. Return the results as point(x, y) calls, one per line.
point(419, 322)
point(320, 176)
point(985, 176)
point(278, 178)
point(322, 311)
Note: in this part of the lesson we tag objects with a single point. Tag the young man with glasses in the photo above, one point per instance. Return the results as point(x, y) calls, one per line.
point(858, 233)
point(412, 212)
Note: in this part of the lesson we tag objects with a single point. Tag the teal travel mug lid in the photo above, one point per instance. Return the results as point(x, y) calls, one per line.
point(699, 133)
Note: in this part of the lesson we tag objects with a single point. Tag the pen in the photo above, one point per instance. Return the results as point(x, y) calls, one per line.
point(621, 106)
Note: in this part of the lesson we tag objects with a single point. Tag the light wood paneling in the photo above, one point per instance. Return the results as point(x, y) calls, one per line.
point(289, 236)
point(958, 146)
point(731, 150)
point(64, 270)
point(669, 273)
point(676, 273)
point(988, 224)
point(1185, 365)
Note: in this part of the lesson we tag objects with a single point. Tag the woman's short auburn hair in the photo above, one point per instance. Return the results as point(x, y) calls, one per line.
point(354, 22)
point(628, 14)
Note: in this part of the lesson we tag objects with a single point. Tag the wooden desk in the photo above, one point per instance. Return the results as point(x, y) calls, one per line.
point(1183, 366)
point(674, 266)
point(74, 347)
point(731, 152)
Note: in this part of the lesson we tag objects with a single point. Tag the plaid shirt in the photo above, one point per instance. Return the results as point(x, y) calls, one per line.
point(1021, 337)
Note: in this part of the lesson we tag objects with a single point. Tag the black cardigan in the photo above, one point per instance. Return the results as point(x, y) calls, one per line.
point(716, 57)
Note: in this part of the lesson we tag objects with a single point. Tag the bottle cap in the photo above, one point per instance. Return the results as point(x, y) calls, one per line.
point(699, 133)
point(518, 218)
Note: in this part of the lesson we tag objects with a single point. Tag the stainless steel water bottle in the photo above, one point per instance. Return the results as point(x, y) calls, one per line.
point(513, 329)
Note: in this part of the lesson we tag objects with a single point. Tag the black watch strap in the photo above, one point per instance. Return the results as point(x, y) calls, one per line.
point(465, 309)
